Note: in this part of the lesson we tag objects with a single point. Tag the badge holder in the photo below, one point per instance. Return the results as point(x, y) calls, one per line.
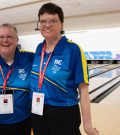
point(38, 103)
point(8, 91)
point(6, 101)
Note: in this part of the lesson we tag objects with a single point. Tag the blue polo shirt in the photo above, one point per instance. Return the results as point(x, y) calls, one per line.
point(66, 69)
point(19, 81)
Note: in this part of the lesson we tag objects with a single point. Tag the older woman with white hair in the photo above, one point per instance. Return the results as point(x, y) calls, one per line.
point(15, 68)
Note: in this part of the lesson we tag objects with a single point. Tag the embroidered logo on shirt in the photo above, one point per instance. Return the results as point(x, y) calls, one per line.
point(56, 66)
point(57, 62)
point(22, 74)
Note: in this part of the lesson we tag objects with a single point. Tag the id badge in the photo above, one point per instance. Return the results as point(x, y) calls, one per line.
point(6, 104)
point(37, 103)
point(8, 91)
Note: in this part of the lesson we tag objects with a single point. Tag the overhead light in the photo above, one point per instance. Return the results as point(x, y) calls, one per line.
point(37, 27)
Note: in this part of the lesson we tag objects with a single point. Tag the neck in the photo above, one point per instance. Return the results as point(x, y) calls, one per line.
point(8, 59)
point(51, 43)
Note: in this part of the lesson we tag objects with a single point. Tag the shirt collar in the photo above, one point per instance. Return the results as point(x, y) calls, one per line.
point(18, 59)
point(1, 60)
point(60, 46)
point(58, 49)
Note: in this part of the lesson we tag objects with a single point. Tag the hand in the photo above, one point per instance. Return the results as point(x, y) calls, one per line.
point(96, 131)
point(92, 131)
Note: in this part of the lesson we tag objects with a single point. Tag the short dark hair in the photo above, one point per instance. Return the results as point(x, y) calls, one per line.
point(52, 8)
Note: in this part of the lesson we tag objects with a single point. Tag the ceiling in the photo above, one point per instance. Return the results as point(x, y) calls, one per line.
point(80, 15)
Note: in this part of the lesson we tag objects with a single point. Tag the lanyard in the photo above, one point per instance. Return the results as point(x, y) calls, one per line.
point(7, 77)
point(42, 74)
point(1, 72)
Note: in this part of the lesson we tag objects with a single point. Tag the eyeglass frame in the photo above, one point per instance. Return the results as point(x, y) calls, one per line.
point(51, 21)
point(7, 37)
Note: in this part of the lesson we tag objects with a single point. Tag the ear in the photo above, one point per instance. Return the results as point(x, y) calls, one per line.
point(61, 26)
point(17, 39)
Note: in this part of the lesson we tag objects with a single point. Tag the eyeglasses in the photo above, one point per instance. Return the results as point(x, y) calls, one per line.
point(7, 37)
point(51, 22)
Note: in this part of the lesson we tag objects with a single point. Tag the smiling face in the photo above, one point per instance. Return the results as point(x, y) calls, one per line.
point(49, 31)
point(7, 46)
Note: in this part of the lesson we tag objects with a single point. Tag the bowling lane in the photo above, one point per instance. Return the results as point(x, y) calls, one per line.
point(94, 65)
point(100, 69)
point(95, 71)
point(103, 78)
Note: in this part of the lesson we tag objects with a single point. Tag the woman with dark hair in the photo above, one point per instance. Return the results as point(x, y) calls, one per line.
point(59, 68)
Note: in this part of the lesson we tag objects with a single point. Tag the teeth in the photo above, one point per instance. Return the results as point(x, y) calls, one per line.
point(47, 30)
point(5, 45)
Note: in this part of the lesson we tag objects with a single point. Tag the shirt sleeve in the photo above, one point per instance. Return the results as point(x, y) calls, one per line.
point(78, 65)
point(29, 55)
